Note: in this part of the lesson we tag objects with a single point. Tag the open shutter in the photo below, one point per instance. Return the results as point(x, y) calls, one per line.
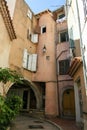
point(34, 62)
point(29, 14)
point(25, 58)
point(34, 38)
point(29, 61)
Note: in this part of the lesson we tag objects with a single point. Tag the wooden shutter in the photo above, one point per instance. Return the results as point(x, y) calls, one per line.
point(34, 38)
point(29, 61)
point(29, 14)
point(25, 58)
point(34, 62)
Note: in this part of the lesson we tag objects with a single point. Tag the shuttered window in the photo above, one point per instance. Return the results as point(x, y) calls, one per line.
point(34, 62)
point(29, 61)
point(25, 58)
point(34, 38)
point(29, 14)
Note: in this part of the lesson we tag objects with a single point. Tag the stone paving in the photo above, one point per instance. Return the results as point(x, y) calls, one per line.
point(29, 123)
point(66, 124)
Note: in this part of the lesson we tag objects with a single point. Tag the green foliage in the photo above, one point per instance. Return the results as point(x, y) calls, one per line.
point(7, 74)
point(9, 108)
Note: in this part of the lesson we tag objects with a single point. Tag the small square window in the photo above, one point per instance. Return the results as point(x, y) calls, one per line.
point(43, 29)
point(61, 16)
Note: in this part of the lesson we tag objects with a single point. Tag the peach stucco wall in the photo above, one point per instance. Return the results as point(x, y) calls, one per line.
point(46, 67)
point(5, 44)
point(51, 99)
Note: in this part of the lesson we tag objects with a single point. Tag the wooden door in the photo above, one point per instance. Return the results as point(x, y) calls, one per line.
point(68, 103)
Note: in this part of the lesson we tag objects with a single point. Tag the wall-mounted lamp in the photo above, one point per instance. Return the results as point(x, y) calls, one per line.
point(44, 49)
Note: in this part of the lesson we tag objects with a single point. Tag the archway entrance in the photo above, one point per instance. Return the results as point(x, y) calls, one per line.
point(68, 103)
point(32, 100)
point(29, 94)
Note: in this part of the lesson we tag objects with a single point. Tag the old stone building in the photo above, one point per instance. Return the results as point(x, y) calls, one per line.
point(41, 53)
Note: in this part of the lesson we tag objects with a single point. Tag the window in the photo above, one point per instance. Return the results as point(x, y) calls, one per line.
point(64, 37)
point(63, 67)
point(29, 14)
point(61, 16)
point(34, 38)
point(29, 61)
point(43, 29)
point(85, 7)
point(71, 41)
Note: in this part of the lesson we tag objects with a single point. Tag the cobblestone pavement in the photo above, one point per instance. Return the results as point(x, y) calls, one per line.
point(29, 123)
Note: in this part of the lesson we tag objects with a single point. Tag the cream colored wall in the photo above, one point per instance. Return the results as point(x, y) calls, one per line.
point(72, 19)
point(5, 44)
point(21, 23)
point(79, 74)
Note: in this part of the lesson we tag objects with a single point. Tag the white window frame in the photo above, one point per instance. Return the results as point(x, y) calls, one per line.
point(42, 27)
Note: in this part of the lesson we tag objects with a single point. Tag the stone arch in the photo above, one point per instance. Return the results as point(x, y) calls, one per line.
point(33, 87)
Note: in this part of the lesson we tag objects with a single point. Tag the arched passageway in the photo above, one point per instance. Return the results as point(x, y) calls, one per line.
point(29, 93)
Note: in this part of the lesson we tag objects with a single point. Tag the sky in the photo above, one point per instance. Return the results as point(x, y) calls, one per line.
point(41, 5)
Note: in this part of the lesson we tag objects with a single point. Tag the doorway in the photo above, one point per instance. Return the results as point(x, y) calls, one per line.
point(68, 103)
point(25, 99)
point(32, 100)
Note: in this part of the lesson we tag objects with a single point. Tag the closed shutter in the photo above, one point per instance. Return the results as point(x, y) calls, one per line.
point(25, 58)
point(34, 62)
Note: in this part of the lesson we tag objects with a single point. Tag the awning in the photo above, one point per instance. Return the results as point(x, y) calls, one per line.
point(75, 64)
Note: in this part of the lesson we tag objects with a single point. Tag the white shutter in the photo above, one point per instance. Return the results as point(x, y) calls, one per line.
point(25, 58)
point(34, 62)
point(29, 14)
point(29, 61)
point(34, 38)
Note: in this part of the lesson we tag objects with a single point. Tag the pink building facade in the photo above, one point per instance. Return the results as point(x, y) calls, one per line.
point(41, 54)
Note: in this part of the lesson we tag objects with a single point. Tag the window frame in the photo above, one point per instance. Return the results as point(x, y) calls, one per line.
point(63, 66)
point(60, 38)
point(42, 28)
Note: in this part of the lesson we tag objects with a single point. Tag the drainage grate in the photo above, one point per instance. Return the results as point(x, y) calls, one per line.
point(38, 121)
point(36, 127)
